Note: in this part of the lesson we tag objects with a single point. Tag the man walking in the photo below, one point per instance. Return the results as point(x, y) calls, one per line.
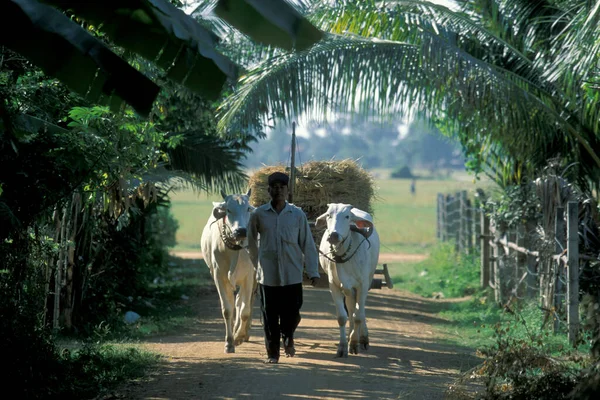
point(286, 245)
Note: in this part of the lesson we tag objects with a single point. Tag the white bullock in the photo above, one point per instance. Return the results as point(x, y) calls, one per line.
point(224, 248)
point(349, 252)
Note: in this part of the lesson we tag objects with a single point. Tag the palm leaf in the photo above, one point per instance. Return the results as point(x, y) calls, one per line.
point(214, 163)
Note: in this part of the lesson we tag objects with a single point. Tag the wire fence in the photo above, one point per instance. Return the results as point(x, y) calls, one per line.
point(515, 261)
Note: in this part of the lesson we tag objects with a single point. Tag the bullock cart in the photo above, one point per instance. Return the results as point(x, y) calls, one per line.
point(318, 183)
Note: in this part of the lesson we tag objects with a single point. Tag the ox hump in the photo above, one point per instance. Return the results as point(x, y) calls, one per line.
point(238, 198)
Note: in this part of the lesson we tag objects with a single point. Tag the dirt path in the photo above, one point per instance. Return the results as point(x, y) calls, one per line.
point(406, 360)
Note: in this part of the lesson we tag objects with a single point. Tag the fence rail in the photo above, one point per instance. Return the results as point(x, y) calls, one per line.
point(514, 262)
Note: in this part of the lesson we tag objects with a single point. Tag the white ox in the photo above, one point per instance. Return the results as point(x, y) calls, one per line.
point(223, 245)
point(349, 252)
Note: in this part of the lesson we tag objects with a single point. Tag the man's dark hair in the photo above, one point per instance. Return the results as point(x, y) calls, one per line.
point(278, 177)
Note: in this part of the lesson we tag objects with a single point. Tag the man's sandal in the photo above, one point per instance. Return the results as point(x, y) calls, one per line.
point(271, 360)
point(290, 350)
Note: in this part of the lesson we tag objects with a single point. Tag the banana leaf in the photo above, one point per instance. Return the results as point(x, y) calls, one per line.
point(67, 52)
point(270, 22)
point(163, 34)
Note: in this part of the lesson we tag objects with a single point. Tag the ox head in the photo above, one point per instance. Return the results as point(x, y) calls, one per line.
point(235, 209)
point(340, 219)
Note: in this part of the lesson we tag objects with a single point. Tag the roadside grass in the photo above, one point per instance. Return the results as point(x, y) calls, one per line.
point(94, 369)
point(442, 274)
point(476, 321)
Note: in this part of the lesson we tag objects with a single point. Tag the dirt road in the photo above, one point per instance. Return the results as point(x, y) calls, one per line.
point(406, 360)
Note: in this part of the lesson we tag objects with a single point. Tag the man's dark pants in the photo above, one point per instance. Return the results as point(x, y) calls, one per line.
point(280, 306)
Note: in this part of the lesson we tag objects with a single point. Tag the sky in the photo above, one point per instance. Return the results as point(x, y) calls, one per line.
point(301, 131)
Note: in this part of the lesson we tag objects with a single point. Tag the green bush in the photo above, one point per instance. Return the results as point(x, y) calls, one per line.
point(134, 256)
point(403, 172)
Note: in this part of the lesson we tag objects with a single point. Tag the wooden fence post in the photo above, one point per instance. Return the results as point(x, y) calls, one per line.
point(484, 239)
point(573, 271)
point(452, 210)
point(559, 243)
point(520, 262)
point(510, 263)
point(440, 217)
point(469, 227)
point(532, 270)
point(449, 217)
point(457, 223)
point(477, 212)
point(462, 224)
point(497, 255)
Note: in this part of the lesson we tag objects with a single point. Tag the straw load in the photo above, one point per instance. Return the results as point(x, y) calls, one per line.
point(317, 184)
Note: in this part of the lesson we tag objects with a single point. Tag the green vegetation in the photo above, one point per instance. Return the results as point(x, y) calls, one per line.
point(521, 353)
point(92, 370)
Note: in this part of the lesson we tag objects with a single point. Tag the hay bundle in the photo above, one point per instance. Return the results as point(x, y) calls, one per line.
point(319, 183)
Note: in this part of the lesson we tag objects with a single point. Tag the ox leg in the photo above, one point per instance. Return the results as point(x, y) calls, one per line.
point(360, 320)
point(243, 305)
point(226, 295)
point(351, 297)
point(350, 306)
point(342, 317)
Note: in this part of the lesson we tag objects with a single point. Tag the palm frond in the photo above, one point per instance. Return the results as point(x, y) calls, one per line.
point(577, 48)
point(388, 76)
point(213, 163)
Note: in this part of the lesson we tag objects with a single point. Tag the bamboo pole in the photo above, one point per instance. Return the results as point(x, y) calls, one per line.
point(477, 212)
point(439, 217)
point(559, 243)
point(292, 183)
point(573, 271)
point(58, 275)
point(462, 221)
point(531, 260)
point(68, 307)
point(496, 273)
point(521, 260)
point(485, 250)
point(469, 226)
point(444, 219)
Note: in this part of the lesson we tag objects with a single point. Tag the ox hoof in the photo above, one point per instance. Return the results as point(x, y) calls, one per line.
point(353, 348)
point(229, 348)
point(364, 343)
point(342, 351)
point(239, 340)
